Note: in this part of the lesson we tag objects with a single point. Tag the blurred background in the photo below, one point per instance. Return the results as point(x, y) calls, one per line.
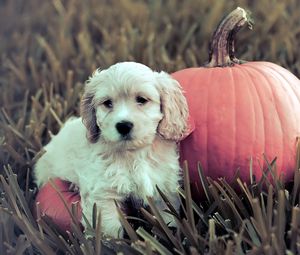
point(49, 48)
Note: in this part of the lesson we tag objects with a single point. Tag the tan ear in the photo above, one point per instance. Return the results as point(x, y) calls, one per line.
point(174, 107)
point(88, 114)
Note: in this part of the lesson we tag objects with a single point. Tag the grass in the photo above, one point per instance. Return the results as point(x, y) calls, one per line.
point(47, 51)
point(259, 218)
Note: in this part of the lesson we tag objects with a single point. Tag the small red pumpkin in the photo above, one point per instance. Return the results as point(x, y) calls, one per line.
point(51, 204)
point(241, 110)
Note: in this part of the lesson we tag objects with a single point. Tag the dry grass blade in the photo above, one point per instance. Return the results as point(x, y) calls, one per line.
point(195, 207)
point(50, 53)
point(251, 170)
point(296, 174)
point(222, 222)
point(149, 217)
point(162, 224)
point(67, 246)
point(188, 197)
point(229, 202)
point(212, 231)
point(271, 168)
point(278, 250)
point(86, 245)
point(21, 137)
point(187, 38)
point(49, 233)
point(281, 220)
point(252, 233)
point(89, 230)
point(56, 117)
point(21, 245)
point(245, 190)
point(148, 248)
point(16, 71)
point(258, 216)
point(10, 196)
point(220, 201)
point(13, 153)
point(204, 182)
point(185, 228)
point(130, 231)
point(167, 202)
point(239, 204)
point(270, 207)
point(74, 243)
point(153, 242)
point(15, 189)
point(295, 223)
point(98, 235)
point(33, 235)
point(229, 248)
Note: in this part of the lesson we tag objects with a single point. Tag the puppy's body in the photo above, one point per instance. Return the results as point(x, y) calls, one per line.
point(110, 160)
point(104, 176)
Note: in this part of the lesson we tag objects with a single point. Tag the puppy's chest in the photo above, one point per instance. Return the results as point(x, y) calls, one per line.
point(137, 177)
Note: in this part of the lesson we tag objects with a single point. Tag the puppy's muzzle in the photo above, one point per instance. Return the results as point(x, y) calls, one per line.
point(124, 128)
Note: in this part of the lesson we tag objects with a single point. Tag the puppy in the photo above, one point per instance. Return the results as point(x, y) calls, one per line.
point(123, 144)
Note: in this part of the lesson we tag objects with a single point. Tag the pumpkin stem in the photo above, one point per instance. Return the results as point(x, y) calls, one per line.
point(222, 51)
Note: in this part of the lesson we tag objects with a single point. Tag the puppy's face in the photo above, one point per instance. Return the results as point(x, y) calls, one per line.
point(127, 109)
point(128, 104)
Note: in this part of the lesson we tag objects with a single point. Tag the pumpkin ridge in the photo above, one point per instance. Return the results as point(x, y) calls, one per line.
point(208, 124)
point(220, 126)
point(246, 75)
point(283, 76)
point(255, 92)
point(283, 143)
point(234, 119)
point(287, 89)
point(207, 128)
point(290, 90)
point(286, 86)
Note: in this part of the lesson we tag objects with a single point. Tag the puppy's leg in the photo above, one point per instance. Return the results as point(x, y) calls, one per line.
point(110, 223)
point(43, 170)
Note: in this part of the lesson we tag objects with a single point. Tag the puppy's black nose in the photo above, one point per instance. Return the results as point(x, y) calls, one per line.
point(124, 127)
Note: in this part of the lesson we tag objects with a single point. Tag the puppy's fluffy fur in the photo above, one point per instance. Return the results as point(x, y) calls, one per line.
point(110, 163)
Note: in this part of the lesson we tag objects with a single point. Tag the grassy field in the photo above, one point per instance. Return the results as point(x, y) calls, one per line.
point(47, 51)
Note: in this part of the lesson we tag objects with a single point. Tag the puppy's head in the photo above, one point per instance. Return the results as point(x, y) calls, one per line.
point(128, 104)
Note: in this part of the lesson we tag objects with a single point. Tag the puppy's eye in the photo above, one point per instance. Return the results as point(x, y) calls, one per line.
point(108, 104)
point(141, 100)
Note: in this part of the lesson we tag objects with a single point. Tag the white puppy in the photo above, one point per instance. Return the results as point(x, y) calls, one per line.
point(123, 144)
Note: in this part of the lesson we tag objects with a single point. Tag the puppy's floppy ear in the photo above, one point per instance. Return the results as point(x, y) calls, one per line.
point(174, 107)
point(88, 113)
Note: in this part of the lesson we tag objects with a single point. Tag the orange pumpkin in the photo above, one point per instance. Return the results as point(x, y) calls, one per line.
point(51, 204)
point(242, 111)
